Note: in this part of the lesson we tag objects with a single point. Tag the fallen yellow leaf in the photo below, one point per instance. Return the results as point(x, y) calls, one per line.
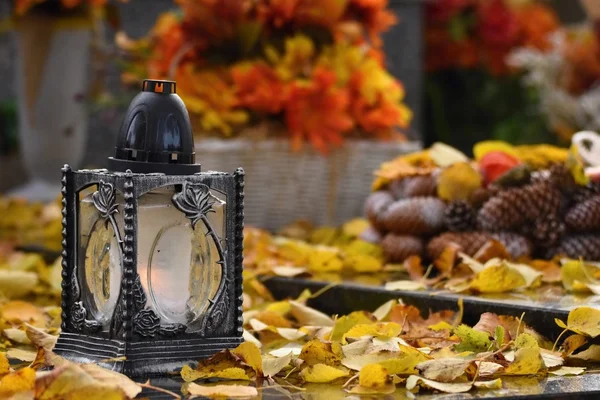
point(322, 373)
point(379, 330)
point(319, 352)
point(219, 391)
point(584, 321)
point(250, 355)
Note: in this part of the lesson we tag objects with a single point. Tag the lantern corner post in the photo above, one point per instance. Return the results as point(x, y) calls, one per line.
point(239, 179)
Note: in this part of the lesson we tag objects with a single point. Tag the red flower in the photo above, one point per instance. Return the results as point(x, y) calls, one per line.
point(498, 25)
point(445, 10)
point(318, 111)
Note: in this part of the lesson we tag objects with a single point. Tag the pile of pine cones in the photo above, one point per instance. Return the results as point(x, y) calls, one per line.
point(540, 214)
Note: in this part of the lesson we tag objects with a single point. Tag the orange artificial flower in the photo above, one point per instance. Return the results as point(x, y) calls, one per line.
point(318, 111)
point(537, 22)
point(210, 96)
point(259, 88)
point(376, 16)
point(582, 53)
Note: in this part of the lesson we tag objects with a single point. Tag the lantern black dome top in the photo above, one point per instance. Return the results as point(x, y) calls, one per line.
point(156, 133)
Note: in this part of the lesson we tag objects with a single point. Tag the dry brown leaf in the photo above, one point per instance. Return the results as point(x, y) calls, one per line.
point(490, 250)
point(444, 369)
point(40, 338)
point(572, 343)
point(549, 269)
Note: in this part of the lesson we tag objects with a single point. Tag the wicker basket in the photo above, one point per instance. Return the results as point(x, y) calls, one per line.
point(283, 186)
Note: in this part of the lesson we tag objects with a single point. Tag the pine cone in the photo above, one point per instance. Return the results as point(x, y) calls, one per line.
point(586, 246)
point(585, 216)
point(414, 186)
point(460, 216)
point(562, 178)
point(397, 248)
point(547, 232)
point(375, 205)
point(513, 207)
point(517, 245)
point(583, 193)
point(416, 216)
point(468, 242)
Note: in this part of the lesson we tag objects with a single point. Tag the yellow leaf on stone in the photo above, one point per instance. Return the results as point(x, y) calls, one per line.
point(414, 380)
point(379, 330)
point(584, 321)
point(325, 259)
point(489, 385)
point(346, 322)
point(373, 376)
point(249, 353)
point(444, 369)
point(440, 326)
point(319, 352)
point(498, 279)
point(20, 381)
point(471, 339)
point(16, 284)
point(4, 365)
point(280, 307)
point(221, 391)
point(18, 311)
point(363, 263)
point(355, 227)
point(233, 373)
point(565, 371)
point(322, 373)
point(528, 359)
point(292, 250)
point(402, 361)
point(458, 182)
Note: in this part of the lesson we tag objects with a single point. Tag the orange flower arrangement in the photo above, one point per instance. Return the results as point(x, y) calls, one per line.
point(315, 66)
point(481, 33)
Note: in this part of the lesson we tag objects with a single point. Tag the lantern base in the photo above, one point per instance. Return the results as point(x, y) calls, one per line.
point(148, 358)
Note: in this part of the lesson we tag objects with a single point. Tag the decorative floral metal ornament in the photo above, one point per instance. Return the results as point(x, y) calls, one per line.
point(152, 248)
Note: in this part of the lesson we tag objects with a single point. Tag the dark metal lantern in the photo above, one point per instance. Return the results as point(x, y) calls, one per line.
point(152, 248)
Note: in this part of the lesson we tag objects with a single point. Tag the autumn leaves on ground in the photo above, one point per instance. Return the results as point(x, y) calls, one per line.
point(291, 347)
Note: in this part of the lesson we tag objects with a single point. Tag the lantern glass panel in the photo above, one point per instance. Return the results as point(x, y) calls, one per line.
point(178, 265)
point(99, 258)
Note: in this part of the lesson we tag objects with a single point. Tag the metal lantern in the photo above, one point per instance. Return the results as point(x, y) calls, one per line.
point(152, 248)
